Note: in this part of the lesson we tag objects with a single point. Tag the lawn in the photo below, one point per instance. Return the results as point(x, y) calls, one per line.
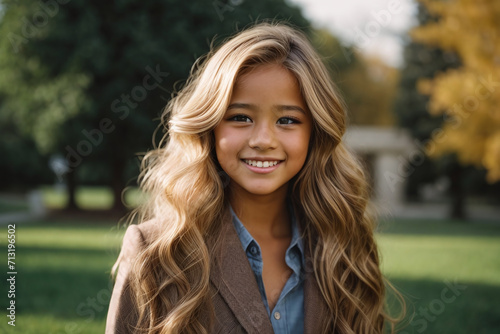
point(88, 197)
point(12, 204)
point(449, 273)
point(63, 272)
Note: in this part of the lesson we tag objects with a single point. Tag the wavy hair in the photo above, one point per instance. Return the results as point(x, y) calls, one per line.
point(184, 183)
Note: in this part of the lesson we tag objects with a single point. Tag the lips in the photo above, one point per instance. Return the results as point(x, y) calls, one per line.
point(253, 165)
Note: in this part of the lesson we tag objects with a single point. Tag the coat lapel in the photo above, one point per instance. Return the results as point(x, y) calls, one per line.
point(234, 279)
point(315, 308)
point(232, 275)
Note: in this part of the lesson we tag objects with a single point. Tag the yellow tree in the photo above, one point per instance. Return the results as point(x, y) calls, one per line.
point(468, 97)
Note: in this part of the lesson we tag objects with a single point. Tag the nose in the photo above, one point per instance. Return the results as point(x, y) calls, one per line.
point(263, 137)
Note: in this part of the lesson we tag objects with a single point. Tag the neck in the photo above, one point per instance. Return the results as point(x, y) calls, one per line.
point(264, 216)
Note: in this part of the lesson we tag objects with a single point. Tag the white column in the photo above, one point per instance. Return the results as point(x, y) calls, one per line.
point(35, 201)
point(389, 179)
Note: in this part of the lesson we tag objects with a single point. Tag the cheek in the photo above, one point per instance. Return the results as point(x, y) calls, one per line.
point(298, 146)
point(222, 145)
point(221, 140)
point(226, 145)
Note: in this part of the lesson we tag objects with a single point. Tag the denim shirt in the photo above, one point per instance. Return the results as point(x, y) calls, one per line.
point(288, 314)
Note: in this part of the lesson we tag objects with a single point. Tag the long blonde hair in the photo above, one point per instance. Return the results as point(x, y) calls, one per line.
point(187, 195)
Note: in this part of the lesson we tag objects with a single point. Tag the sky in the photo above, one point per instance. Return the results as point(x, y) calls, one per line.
point(375, 27)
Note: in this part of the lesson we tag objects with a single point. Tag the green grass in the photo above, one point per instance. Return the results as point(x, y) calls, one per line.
point(423, 258)
point(63, 275)
point(89, 197)
point(9, 205)
point(63, 281)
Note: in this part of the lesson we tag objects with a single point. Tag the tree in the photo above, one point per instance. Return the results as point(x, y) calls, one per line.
point(424, 62)
point(350, 71)
point(467, 97)
point(20, 165)
point(85, 78)
point(411, 110)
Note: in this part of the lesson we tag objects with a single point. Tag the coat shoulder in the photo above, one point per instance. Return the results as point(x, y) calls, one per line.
point(122, 312)
point(150, 230)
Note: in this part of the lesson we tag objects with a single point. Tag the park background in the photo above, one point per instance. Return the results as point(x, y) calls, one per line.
point(83, 84)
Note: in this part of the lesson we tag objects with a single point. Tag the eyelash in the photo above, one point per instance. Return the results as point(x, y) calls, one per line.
point(295, 120)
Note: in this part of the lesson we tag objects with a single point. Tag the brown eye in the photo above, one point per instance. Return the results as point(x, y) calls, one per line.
point(240, 118)
point(288, 120)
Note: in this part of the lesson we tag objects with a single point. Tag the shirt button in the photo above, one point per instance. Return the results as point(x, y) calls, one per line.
point(253, 250)
point(277, 315)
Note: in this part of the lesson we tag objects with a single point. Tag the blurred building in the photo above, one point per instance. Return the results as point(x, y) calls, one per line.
point(385, 153)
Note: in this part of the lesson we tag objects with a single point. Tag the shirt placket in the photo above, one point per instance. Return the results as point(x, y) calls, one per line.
point(279, 314)
point(257, 264)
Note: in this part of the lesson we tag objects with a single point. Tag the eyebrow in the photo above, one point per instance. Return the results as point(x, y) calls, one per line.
point(277, 107)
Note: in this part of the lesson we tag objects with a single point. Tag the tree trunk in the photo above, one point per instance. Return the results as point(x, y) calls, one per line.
point(457, 194)
point(71, 179)
point(118, 185)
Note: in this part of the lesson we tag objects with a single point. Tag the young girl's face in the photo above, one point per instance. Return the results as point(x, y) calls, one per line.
point(262, 141)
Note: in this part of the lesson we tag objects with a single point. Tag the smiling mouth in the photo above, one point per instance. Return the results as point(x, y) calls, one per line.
point(261, 164)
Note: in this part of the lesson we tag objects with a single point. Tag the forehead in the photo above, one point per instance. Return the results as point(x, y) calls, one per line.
point(268, 72)
point(268, 82)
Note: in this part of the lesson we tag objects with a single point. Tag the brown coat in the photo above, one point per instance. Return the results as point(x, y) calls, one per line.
point(236, 298)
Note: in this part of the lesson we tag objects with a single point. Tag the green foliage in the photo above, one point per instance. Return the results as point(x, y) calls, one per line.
point(336, 56)
point(20, 164)
point(350, 71)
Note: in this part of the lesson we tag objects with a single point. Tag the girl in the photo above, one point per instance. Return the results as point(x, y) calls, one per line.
point(256, 220)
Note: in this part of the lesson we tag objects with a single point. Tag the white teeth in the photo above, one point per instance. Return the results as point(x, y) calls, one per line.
point(263, 164)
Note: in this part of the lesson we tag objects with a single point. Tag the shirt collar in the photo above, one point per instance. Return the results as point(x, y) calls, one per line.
point(247, 239)
point(245, 236)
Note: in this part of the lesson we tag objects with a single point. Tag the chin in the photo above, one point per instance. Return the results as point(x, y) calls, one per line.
point(264, 190)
